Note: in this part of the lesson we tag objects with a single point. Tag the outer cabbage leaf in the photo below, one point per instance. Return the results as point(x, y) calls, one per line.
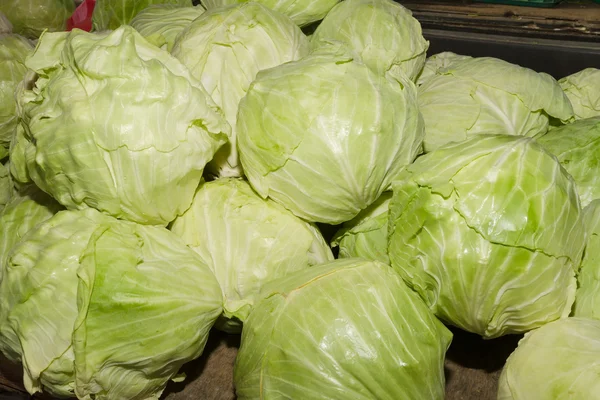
point(489, 233)
point(435, 64)
point(349, 329)
point(129, 136)
point(382, 32)
point(111, 14)
point(557, 361)
point(366, 235)
point(102, 277)
point(577, 147)
point(6, 187)
point(161, 24)
point(13, 50)
point(246, 241)
point(325, 136)
point(25, 209)
point(225, 49)
point(489, 96)
point(587, 298)
point(583, 90)
point(302, 12)
point(31, 17)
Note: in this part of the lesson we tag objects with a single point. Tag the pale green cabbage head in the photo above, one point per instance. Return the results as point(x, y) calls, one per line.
point(583, 90)
point(104, 309)
point(577, 147)
point(302, 12)
point(325, 136)
point(349, 329)
point(489, 233)
point(557, 361)
point(489, 96)
point(111, 14)
point(160, 24)
point(13, 50)
point(366, 235)
point(129, 136)
point(587, 298)
point(435, 64)
point(225, 49)
point(31, 17)
point(246, 241)
point(382, 32)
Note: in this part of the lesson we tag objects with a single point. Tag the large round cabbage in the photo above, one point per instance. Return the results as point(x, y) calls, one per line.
point(489, 96)
point(557, 361)
point(488, 231)
point(583, 90)
point(587, 298)
point(104, 309)
point(325, 136)
point(302, 12)
point(116, 124)
point(161, 24)
point(350, 329)
point(382, 32)
point(366, 235)
point(13, 50)
point(31, 17)
point(577, 147)
point(111, 14)
point(225, 48)
point(246, 241)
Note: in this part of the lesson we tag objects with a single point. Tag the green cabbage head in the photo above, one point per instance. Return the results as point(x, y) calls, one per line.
point(104, 309)
point(160, 24)
point(583, 90)
point(587, 298)
point(111, 14)
point(489, 232)
point(246, 241)
point(489, 96)
point(366, 235)
point(382, 32)
point(435, 64)
point(13, 50)
point(325, 136)
point(349, 329)
point(577, 147)
point(225, 48)
point(117, 124)
point(302, 12)
point(31, 17)
point(557, 361)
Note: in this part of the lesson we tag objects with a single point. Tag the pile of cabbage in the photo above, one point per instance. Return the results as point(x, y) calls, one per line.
point(173, 171)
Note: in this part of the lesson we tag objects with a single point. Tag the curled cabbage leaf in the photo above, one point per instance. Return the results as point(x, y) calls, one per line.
point(246, 241)
point(577, 147)
point(438, 62)
point(587, 298)
point(105, 309)
point(6, 187)
point(302, 12)
point(348, 329)
point(583, 90)
point(489, 233)
point(557, 361)
point(382, 32)
point(111, 14)
point(324, 136)
point(366, 235)
point(489, 96)
point(160, 24)
point(13, 50)
point(225, 48)
point(127, 135)
point(32, 17)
